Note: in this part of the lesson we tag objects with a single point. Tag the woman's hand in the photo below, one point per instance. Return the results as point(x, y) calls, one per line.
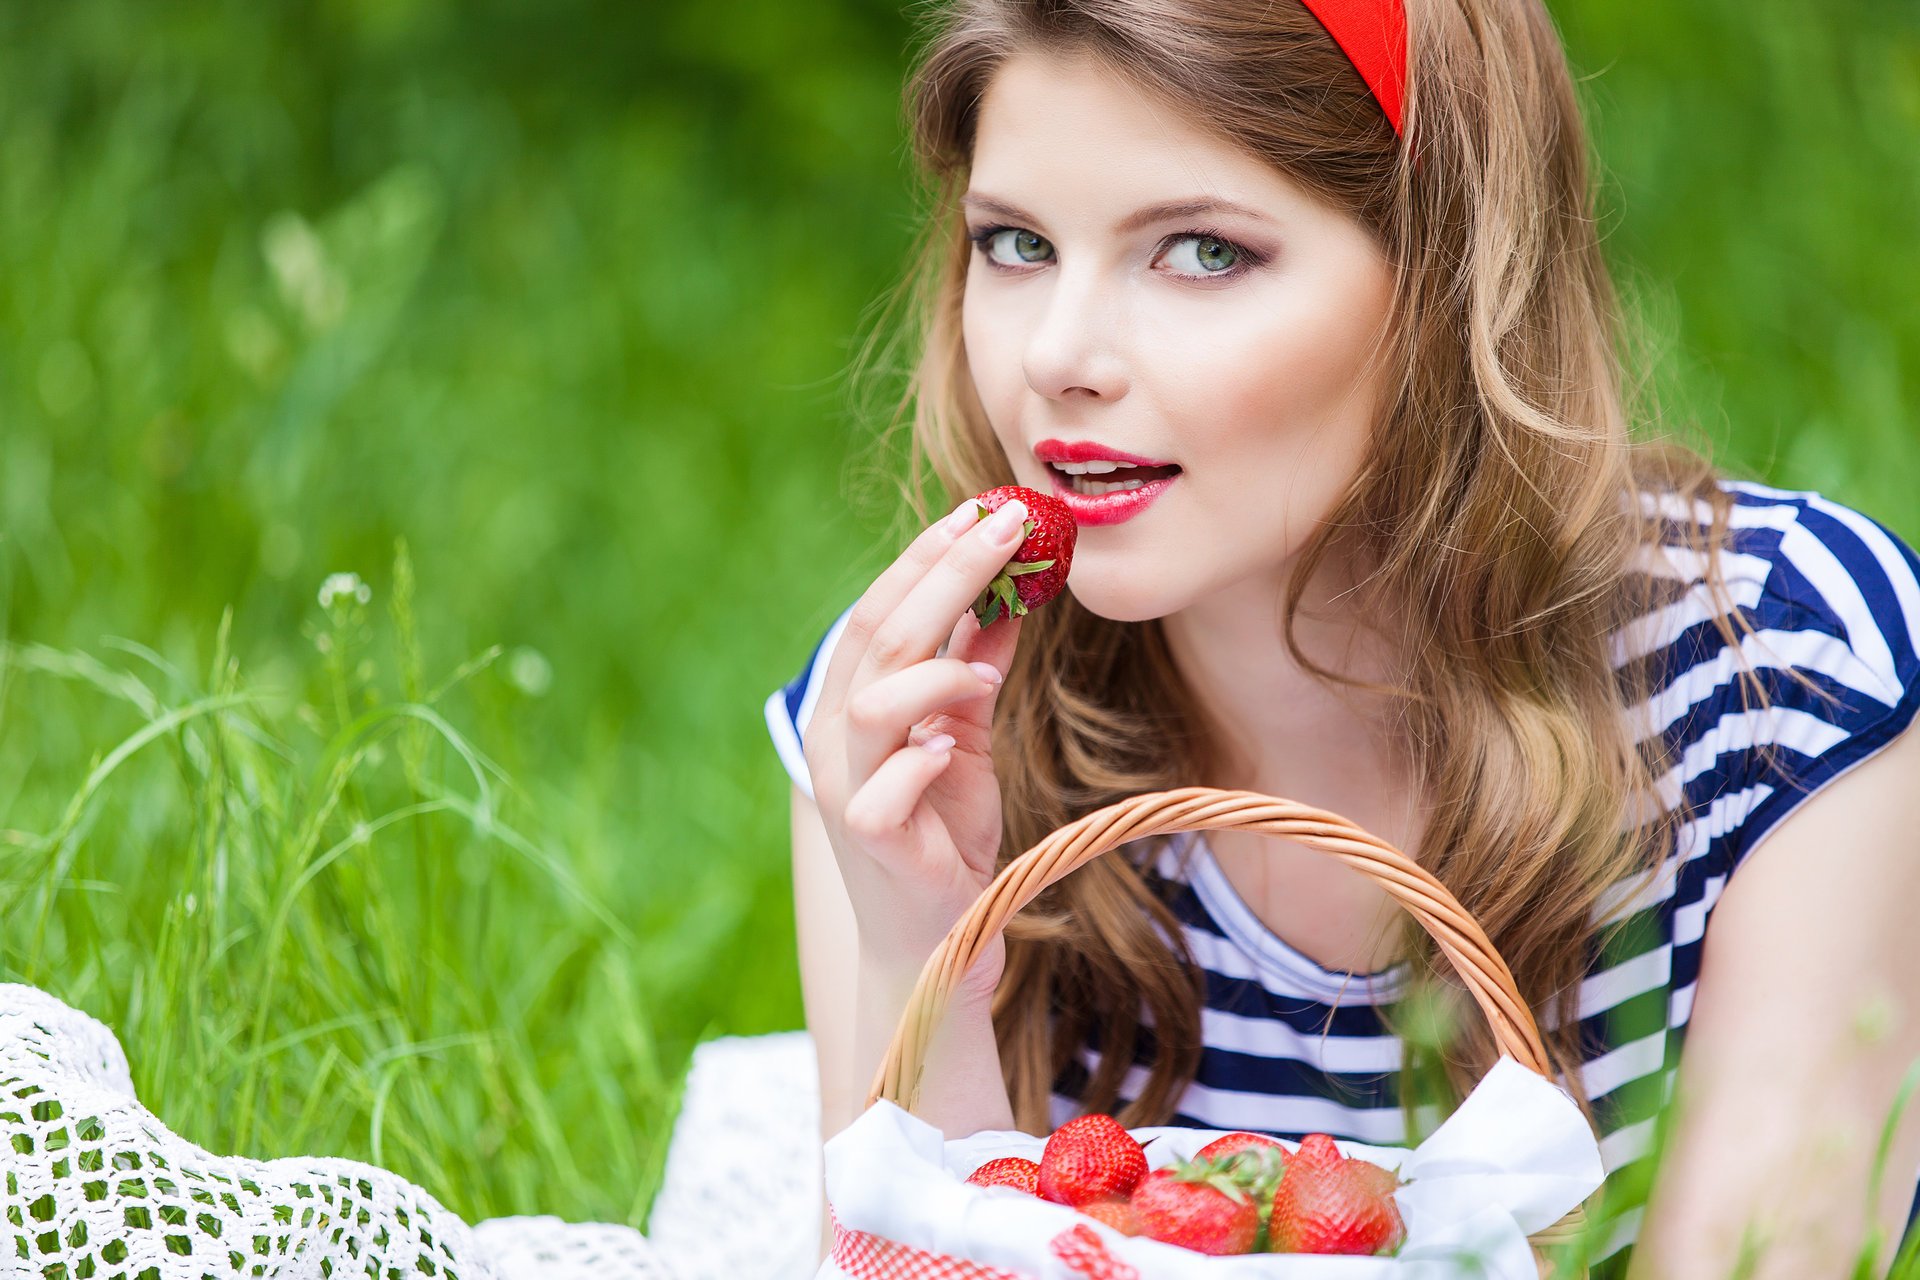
point(899, 745)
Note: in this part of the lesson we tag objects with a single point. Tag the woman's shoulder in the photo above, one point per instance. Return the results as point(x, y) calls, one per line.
point(1800, 661)
point(1824, 584)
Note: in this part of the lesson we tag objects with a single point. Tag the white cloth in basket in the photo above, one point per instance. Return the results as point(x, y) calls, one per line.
point(91, 1182)
point(1513, 1158)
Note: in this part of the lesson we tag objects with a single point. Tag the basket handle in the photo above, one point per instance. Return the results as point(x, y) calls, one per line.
point(1205, 809)
point(1071, 847)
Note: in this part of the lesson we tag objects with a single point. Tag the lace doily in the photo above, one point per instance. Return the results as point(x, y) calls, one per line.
point(95, 1186)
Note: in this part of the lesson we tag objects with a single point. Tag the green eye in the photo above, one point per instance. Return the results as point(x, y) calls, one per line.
point(1030, 247)
point(1026, 246)
point(1202, 255)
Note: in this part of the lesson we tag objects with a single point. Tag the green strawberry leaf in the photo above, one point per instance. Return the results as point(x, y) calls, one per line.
point(1020, 567)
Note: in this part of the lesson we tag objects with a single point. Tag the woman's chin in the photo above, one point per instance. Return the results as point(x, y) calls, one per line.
point(1118, 600)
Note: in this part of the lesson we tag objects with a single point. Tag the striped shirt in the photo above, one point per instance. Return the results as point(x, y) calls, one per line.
point(1832, 603)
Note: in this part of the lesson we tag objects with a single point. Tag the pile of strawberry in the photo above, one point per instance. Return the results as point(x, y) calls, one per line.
point(1243, 1193)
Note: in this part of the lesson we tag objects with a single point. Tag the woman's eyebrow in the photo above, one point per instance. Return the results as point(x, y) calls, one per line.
point(1162, 212)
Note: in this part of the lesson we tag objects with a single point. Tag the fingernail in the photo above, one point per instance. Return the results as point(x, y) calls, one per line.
point(938, 745)
point(962, 517)
point(986, 671)
point(1007, 521)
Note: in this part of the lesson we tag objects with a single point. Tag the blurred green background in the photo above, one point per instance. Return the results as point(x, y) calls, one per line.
point(536, 316)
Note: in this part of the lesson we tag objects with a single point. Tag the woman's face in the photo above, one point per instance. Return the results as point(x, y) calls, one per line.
point(1232, 342)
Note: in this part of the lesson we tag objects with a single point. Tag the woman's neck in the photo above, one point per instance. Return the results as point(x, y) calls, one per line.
point(1276, 719)
point(1286, 731)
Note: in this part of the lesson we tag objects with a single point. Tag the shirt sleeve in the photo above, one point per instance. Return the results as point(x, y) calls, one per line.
point(790, 707)
point(1828, 605)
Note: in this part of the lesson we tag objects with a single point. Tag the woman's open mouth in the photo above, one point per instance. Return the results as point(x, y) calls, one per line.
point(1102, 493)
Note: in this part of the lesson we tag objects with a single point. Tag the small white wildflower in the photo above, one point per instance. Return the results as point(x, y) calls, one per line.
point(362, 833)
point(192, 904)
point(530, 671)
point(340, 585)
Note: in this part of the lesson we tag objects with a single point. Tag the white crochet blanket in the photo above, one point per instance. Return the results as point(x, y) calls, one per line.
point(94, 1185)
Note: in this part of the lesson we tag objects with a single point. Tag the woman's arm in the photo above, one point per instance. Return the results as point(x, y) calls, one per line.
point(1806, 1018)
point(852, 1010)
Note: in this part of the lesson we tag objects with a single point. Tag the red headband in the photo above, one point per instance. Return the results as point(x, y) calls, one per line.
point(1373, 34)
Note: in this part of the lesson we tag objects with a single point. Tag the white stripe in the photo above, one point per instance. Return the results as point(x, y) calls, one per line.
point(1625, 1230)
point(1906, 588)
point(1690, 920)
point(1629, 1062)
point(1273, 1038)
point(1778, 515)
point(1680, 563)
point(1276, 1113)
point(1629, 1142)
point(1671, 506)
point(1224, 957)
point(1817, 563)
point(817, 677)
point(1646, 972)
point(1680, 1005)
point(1723, 816)
point(786, 733)
point(1787, 727)
point(1744, 577)
point(1813, 650)
point(787, 743)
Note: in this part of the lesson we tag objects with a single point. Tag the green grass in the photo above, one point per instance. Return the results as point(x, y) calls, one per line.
point(561, 296)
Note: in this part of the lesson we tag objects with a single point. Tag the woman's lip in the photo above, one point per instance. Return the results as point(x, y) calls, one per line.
point(1090, 451)
point(1109, 508)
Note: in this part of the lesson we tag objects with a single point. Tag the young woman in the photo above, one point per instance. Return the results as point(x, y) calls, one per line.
point(1337, 280)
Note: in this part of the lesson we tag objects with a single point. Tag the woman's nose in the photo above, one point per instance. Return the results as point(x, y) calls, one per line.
point(1074, 348)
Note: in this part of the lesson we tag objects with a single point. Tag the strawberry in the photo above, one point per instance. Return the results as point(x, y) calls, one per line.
point(1116, 1213)
point(1084, 1253)
point(1198, 1207)
point(1316, 1151)
point(1090, 1158)
point(1346, 1207)
point(1037, 571)
point(1008, 1171)
point(1233, 1142)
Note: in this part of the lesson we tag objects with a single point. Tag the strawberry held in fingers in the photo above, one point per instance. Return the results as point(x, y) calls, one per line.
point(1037, 571)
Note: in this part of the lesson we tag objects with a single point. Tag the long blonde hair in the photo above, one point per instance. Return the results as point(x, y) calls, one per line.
point(1500, 510)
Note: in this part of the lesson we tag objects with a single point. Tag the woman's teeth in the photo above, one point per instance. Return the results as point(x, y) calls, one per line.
point(1085, 477)
point(1093, 488)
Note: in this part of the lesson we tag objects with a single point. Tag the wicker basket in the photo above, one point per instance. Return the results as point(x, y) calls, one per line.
point(1206, 809)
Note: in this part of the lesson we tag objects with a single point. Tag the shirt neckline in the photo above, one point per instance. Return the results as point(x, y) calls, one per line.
point(1270, 952)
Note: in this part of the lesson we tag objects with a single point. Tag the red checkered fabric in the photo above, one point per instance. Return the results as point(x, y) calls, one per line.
point(870, 1257)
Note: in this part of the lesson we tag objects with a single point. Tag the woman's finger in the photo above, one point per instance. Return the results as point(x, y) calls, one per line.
point(925, 616)
point(884, 595)
point(879, 814)
point(975, 645)
point(879, 714)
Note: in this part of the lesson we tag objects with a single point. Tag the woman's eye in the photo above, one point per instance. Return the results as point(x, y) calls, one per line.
point(1202, 255)
point(1010, 244)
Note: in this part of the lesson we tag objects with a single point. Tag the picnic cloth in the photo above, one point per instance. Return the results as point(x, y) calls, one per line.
point(93, 1183)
